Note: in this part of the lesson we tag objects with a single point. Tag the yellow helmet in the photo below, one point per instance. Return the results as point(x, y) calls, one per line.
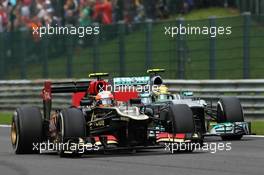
point(162, 90)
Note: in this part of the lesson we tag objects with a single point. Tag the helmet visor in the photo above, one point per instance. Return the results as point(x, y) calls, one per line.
point(106, 101)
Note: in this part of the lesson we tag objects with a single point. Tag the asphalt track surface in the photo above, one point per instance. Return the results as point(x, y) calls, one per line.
point(246, 157)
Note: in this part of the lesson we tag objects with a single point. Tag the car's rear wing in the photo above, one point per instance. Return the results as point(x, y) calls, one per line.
point(60, 87)
point(69, 87)
point(63, 87)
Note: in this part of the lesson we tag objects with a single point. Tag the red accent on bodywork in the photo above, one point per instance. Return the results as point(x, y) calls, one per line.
point(96, 139)
point(76, 98)
point(169, 135)
point(111, 138)
point(46, 91)
point(94, 88)
point(180, 136)
point(97, 86)
point(125, 96)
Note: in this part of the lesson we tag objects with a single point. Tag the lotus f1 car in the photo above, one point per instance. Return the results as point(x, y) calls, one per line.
point(98, 121)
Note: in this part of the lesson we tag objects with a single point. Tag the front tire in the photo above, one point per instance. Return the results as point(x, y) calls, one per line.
point(229, 109)
point(72, 126)
point(181, 118)
point(182, 121)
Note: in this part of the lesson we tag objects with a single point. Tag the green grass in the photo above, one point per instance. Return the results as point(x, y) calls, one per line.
point(5, 118)
point(229, 51)
point(206, 13)
point(257, 126)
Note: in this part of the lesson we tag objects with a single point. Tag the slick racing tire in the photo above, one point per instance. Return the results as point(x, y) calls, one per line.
point(181, 118)
point(182, 122)
point(229, 109)
point(26, 130)
point(72, 127)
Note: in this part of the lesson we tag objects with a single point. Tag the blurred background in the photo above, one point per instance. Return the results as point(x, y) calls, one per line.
point(131, 39)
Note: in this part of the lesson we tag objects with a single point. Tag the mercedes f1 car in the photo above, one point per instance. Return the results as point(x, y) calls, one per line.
point(99, 121)
point(225, 119)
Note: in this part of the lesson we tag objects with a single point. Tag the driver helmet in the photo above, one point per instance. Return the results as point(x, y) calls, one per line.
point(162, 93)
point(162, 90)
point(104, 98)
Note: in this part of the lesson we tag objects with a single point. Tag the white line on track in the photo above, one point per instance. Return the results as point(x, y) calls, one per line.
point(5, 126)
point(260, 136)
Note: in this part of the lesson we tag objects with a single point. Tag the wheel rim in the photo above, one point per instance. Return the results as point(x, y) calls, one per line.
point(13, 133)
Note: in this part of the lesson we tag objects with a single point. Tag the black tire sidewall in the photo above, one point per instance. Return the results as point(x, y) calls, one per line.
point(182, 118)
point(231, 110)
point(73, 123)
point(29, 127)
point(73, 126)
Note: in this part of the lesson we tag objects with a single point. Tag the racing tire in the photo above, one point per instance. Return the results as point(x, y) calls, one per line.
point(229, 109)
point(26, 130)
point(182, 122)
point(182, 118)
point(72, 126)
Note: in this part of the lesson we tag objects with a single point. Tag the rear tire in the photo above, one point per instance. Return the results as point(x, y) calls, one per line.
point(26, 130)
point(72, 126)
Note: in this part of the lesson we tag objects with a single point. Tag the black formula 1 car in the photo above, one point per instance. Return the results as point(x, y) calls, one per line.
point(94, 124)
